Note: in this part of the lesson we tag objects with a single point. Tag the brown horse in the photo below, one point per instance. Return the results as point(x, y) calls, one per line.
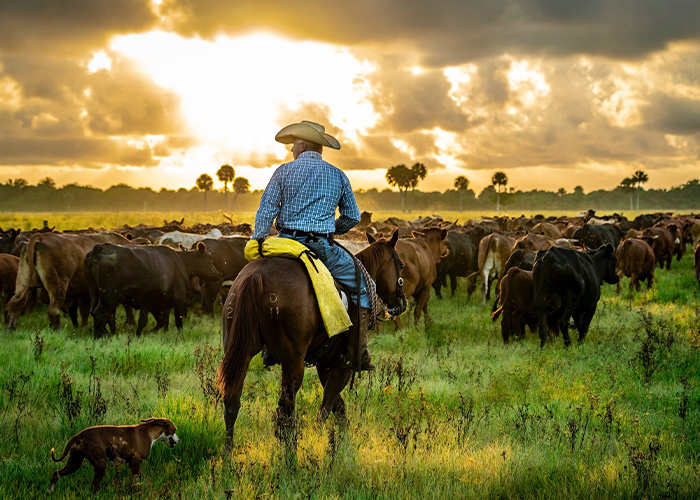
point(272, 303)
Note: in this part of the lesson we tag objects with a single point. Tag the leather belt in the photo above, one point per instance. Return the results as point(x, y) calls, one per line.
point(298, 232)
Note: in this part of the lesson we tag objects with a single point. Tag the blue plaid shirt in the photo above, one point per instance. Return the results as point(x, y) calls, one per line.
point(304, 194)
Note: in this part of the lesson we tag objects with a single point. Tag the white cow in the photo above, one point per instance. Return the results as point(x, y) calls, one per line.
point(175, 238)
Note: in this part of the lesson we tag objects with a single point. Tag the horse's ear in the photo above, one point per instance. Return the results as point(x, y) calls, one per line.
point(417, 234)
point(370, 239)
point(181, 247)
point(201, 247)
point(394, 238)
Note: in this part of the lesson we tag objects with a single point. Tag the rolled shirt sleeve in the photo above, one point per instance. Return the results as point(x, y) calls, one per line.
point(270, 203)
point(349, 211)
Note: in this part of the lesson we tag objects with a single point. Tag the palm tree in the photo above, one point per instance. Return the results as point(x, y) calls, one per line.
point(418, 173)
point(240, 186)
point(401, 177)
point(18, 183)
point(499, 181)
point(561, 191)
point(461, 185)
point(627, 186)
point(47, 182)
point(640, 177)
point(205, 183)
point(226, 174)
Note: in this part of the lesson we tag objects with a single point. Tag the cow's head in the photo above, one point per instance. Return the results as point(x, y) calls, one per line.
point(7, 240)
point(610, 261)
point(202, 264)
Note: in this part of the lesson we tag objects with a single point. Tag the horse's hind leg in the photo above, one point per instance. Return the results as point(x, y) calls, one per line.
point(232, 406)
point(292, 378)
point(334, 381)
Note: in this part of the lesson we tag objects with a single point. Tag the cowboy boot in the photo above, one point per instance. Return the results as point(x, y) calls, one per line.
point(357, 341)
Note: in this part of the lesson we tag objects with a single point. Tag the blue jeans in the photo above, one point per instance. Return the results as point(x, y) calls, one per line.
point(339, 263)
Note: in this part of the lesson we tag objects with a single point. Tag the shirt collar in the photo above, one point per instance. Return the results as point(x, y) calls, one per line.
point(310, 154)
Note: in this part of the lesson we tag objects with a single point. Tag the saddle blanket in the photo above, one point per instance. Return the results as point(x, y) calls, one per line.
point(335, 317)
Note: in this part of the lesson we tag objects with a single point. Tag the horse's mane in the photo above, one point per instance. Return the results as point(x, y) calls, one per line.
point(371, 257)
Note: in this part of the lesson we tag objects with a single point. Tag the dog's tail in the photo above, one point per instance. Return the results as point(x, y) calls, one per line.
point(65, 452)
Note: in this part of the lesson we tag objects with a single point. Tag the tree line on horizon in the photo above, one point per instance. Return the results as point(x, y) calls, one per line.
point(18, 195)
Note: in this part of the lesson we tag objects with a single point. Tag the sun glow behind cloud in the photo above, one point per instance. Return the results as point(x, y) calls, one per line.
point(234, 91)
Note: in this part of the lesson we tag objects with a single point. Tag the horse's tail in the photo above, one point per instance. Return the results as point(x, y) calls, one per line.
point(243, 325)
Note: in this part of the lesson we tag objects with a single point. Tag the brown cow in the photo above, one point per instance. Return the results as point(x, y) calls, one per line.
point(494, 251)
point(695, 232)
point(632, 233)
point(635, 259)
point(8, 276)
point(661, 241)
point(55, 261)
point(569, 230)
point(533, 242)
point(677, 230)
point(548, 229)
point(420, 255)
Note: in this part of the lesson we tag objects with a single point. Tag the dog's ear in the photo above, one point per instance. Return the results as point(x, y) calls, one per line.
point(163, 422)
point(147, 420)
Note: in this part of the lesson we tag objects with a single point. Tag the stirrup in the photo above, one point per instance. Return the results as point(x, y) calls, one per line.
point(367, 366)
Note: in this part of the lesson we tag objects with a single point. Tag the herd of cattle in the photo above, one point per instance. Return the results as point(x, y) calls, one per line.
point(548, 271)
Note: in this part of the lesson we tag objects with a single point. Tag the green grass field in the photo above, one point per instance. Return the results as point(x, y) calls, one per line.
point(451, 412)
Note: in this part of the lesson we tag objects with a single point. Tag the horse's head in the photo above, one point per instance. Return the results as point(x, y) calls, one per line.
point(384, 265)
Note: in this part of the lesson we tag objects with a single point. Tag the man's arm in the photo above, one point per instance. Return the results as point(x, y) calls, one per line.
point(349, 211)
point(270, 203)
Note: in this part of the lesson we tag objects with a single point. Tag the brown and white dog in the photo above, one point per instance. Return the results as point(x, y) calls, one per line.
point(127, 443)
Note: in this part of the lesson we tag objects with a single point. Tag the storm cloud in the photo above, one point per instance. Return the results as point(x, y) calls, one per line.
point(472, 85)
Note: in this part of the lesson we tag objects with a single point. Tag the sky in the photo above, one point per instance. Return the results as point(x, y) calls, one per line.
point(555, 93)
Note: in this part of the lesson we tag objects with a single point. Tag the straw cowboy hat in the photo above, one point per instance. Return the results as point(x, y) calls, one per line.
point(308, 131)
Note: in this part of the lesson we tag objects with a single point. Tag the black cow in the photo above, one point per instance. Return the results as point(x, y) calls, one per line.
point(596, 236)
point(567, 285)
point(520, 258)
point(643, 221)
point(228, 257)
point(154, 278)
point(7, 240)
point(460, 261)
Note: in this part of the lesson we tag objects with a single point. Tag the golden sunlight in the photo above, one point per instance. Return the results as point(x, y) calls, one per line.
point(528, 82)
point(100, 60)
point(235, 91)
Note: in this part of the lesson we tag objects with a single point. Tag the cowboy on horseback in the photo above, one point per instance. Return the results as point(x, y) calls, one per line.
point(301, 198)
